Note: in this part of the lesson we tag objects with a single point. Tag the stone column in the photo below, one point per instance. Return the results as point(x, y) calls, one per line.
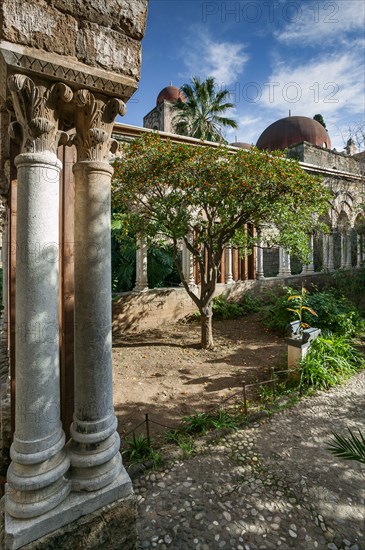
point(96, 462)
point(330, 264)
point(259, 259)
point(36, 475)
point(284, 263)
point(348, 263)
point(187, 262)
point(358, 249)
point(343, 250)
point(325, 247)
point(141, 266)
point(229, 279)
point(308, 269)
point(190, 264)
point(4, 260)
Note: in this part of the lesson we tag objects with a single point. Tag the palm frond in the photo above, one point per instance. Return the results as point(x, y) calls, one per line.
point(350, 448)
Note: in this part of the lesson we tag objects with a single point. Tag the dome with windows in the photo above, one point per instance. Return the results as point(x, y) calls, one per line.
point(292, 130)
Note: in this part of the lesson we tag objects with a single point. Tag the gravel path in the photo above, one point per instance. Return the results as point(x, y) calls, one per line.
point(272, 485)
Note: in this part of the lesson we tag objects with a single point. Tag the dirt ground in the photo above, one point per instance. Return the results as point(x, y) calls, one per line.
point(165, 373)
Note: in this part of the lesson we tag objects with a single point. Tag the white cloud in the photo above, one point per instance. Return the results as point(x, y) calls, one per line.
point(320, 22)
point(204, 57)
point(334, 85)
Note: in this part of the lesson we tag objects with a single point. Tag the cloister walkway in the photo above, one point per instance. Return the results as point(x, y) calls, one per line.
point(271, 485)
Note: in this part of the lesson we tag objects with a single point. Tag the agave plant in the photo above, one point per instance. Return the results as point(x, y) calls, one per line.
point(348, 448)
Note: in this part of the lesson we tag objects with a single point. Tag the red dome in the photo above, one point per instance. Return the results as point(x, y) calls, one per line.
point(291, 130)
point(241, 145)
point(170, 93)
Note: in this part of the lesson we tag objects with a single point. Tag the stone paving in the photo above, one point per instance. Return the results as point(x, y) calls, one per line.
point(270, 485)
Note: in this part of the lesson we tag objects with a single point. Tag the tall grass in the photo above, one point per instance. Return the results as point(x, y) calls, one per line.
point(331, 360)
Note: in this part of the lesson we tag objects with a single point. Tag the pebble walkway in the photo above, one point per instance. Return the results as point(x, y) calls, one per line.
point(272, 485)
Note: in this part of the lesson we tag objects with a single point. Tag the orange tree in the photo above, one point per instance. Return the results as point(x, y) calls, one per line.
point(173, 190)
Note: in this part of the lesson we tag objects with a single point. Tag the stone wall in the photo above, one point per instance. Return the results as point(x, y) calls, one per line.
point(94, 44)
point(97, 33)
point(313, 154)
point(152, 309)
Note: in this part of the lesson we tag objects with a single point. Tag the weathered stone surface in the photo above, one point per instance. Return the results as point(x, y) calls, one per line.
point(111, 527)
point(122, 15)
point(39, 26)
point(109, 50)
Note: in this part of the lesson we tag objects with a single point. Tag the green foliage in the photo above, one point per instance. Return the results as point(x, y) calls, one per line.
point(300, 309)
point(276, 314)
point(123, 263)
point(224, 420)
point(140, 450)
point(166, 190)
point(196, 423)
point(229, 309)
point(330, 360)
point(350, 448)
point(319, 118)
point(183, 440)
point(200, 116)
point(161, 270)
point(333, 313)
point(352, 287)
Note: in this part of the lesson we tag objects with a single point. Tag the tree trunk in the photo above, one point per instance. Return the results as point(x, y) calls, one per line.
point(207, 329)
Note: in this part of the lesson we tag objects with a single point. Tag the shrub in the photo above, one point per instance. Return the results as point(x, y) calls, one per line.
point(330, 361)
point(352, 286)
point(224, 309)
point(334, 314)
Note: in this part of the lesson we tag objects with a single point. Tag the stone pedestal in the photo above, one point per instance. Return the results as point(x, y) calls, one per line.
point(298, 346)
point(61, 528)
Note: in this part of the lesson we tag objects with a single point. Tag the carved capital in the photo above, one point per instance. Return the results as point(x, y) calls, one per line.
point(37, 109)
point(94, 120)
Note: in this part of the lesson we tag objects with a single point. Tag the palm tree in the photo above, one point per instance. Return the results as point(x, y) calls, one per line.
point(200, 116)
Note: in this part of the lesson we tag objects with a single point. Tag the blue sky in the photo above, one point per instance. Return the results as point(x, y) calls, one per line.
point(306, 56)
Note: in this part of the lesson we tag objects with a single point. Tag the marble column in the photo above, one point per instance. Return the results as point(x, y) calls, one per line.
point(358, 250)
point(308, 269)
point(96, 462)
point(284, 263)
point(330, 263)
point(190, 264)
point(229, 278)
point(4, 260)
point(325, 246)
point(343, 250)
point(348, 261)
point(141, 266)
point(187, 262)
point(260, 274)
point(36, 475)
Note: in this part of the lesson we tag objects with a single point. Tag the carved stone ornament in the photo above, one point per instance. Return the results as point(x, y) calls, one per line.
point(94, 120)
point(37, 110)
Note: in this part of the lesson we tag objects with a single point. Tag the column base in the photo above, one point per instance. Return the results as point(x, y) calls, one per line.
point(90, 507)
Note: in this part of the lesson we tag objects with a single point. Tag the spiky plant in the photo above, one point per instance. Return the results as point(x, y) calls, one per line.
point(348, 448)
